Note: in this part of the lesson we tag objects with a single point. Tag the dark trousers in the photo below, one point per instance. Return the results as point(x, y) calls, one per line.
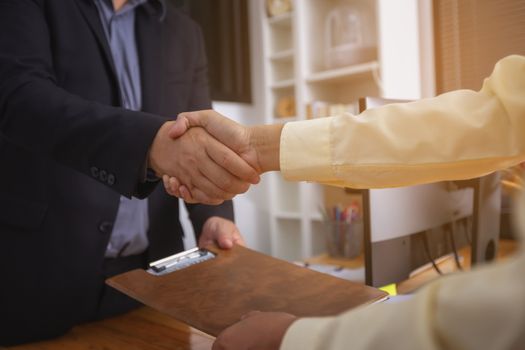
point(113, 302)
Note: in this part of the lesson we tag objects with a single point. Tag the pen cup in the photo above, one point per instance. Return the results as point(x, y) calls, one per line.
point(343, 239)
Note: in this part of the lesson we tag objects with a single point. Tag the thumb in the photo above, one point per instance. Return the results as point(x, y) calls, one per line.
point(180, 126)
point(222, 234)
point(224, 241)
point(222, 128)
point(250, 314)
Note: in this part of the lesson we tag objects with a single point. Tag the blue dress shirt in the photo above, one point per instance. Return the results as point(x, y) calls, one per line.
point(129, 235)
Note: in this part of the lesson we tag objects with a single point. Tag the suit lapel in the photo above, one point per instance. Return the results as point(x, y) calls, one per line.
point(150, 51)
point(90, 13)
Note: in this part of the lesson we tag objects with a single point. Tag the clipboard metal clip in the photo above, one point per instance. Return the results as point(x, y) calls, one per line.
point(180, 261)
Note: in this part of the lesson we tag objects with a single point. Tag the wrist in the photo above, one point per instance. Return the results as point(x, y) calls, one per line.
point(287, 322)
point(266, 140)
point(157, 149)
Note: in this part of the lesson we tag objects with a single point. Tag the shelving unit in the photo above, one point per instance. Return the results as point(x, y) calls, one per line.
point(285, 56)
point(343, 74)
point(283, 84)
point(295, 65)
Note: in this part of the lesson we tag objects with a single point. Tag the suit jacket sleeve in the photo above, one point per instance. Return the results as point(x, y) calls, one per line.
point(199, 99)
point(38, 115)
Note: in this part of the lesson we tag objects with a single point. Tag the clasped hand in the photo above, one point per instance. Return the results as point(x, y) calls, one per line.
point(217, 158)
point(206, 164)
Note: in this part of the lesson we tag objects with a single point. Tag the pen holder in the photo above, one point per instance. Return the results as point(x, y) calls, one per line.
point(343, 240)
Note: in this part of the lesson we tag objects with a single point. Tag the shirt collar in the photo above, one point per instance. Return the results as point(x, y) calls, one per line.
point(153, 7)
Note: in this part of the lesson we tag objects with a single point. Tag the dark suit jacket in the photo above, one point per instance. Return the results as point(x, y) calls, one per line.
point(67, 152)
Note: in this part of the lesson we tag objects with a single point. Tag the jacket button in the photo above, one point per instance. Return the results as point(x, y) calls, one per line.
point(103, 175)
point(111, 179)
point(94, 172)
point(105, 227)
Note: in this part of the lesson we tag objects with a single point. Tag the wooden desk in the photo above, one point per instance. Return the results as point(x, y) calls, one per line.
point(506, 248)
point(147, 329)
point(142, 329)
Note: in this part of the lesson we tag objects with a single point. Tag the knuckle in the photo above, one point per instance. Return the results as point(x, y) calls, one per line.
point(199, 135)
point(227, 182)
point(226, 160)
point(244, 187)
point(200, 197)
point(218, 194)
point(214, 192)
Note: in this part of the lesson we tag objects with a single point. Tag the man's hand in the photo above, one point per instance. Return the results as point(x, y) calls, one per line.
point(221, 232)
point(209, 169)
point(258, 145)
point(256, 331)
point(233, 135)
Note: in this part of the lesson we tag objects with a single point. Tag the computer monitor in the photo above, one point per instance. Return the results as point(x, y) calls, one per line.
point(397, 220)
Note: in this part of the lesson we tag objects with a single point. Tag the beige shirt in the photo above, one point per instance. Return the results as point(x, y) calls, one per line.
point(458, 135)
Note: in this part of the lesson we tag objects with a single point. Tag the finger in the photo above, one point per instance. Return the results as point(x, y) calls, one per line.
point(203, 173)
point(174, 185)
point(218, 231)
point(230, 160)
point(209, 233)
point(198, 196)
point(169, 186)
point(250, 314)
point(224, 240)
point(186, 195)
point(201, 197)
point(165, 181)
point(201, 176)
point(180, 126)
point(223, 179)
point(235, 136)
point(238, 239)
point(200, 118)
point(222, 128)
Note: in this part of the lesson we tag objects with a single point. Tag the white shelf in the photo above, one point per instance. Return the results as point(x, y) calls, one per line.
point(284, 20)
point(293, 52)
point(288, 215)
point(283, 84)
point(287, 195)
point(317, 217)
point(318, 237)
point(282, 56)
point(343, 74)
point(288, 237)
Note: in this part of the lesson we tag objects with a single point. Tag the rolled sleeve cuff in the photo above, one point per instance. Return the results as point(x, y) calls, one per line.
point(305, 152)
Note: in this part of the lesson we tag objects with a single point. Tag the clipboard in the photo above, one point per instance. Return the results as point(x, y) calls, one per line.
point(210, 289)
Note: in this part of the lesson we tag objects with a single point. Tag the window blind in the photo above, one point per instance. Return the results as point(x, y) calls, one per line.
point(471, 36)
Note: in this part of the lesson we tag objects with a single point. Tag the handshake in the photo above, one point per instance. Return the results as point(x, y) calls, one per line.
point(204, 157)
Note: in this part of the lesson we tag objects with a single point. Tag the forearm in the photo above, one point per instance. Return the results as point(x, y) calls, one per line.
point(48, 121)
point(458, 135)
point(266, 140)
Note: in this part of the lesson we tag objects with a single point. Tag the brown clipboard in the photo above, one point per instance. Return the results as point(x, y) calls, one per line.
point(214, 294)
